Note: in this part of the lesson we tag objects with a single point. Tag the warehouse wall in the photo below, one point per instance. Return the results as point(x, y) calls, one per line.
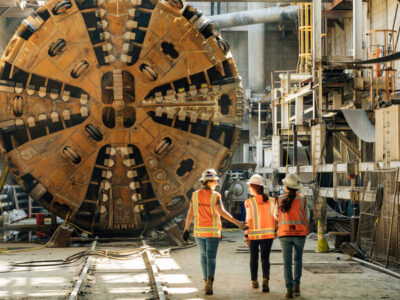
point(380, 16)
point(7, 28)
point(281, 44)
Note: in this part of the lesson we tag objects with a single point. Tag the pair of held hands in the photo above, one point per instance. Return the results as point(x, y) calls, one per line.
point(241, 225)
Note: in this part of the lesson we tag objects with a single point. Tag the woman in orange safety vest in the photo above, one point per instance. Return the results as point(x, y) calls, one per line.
point(206, 208)
point(292, 216)
point(261, 233)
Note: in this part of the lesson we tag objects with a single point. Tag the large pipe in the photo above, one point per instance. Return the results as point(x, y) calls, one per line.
point(275, 14)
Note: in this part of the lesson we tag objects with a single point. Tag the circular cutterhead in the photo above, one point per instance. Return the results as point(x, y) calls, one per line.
point(110, 110)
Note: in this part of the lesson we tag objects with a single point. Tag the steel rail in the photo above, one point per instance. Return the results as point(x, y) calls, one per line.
point(153, 272)
point(82, 276)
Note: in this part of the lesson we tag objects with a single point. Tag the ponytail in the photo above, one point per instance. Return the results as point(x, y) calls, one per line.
point(286, 203)
point(259, 189)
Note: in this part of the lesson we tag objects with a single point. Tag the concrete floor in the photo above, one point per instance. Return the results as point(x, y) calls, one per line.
point(232, 279)
point(181, 273)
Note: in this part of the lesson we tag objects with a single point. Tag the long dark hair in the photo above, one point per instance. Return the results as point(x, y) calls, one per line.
point(259, 189)
point(286, 202)
point(205, 183)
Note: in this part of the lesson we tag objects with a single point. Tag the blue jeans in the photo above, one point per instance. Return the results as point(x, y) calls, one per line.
point(208, 255)
point(287, 244)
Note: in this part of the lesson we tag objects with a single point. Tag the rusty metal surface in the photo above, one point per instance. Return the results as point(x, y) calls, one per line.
point(110, 110)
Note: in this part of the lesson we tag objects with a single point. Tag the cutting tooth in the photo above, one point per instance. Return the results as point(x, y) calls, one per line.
point(54, 94)
point(54, 117)
point(132, 174)
point(129, 162)
point(134, 185)
point(111, 151)
point(193, 117)
point(131, 24)
point(182, 115)
point(84, 99)
point(66, 114)
point(42, 117)
point(159, 112)
point(31, 122)
point(65, 95)
point(106, 174)
point(30, 90)
point(19, 88)
point(42, 91)
point(170, 112)
point(84, 111)
point(134, 197)
point(109, 162)
point(104, 197)
point(105, 184)
point(19, 122)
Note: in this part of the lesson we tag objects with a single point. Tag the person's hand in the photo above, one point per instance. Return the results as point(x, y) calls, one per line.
point(186, 235)
point(242, 225)
point(247, 241)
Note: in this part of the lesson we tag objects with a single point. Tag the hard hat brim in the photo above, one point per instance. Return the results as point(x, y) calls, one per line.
point(204, 179)
point(249, 182)
point(295, 187)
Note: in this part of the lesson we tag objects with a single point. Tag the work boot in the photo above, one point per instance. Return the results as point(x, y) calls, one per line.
point(289, 294)
point(254, 284)
point(205, 284)
point(209, 286)
point(265, 286)
point(296, 291)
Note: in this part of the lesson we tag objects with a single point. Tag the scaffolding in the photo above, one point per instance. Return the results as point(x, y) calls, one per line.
point(381, 43)
point(304, 64)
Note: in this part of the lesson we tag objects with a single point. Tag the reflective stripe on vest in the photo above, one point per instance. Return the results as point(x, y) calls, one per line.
point(206, 231)
point(297, 226)
point(265, 229)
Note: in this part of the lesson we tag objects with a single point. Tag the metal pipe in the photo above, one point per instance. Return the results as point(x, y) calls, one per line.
point(294, 128)
point(273, 14)
point(376, 267)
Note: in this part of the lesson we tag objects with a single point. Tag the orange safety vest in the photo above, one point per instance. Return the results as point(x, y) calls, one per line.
point(262, 223)
point(207, 223)
point(293, 222)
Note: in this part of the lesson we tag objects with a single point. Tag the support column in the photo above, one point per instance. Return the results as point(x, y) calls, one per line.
point(274, 118)
point(259, 155)
point(299, 109)
point(357, 29)
point(285, 115)
point(317, 57)
point(256, 50)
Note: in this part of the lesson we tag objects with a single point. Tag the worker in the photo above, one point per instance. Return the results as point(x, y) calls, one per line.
point(292, 215)
point(206, 208)
point(260, 210)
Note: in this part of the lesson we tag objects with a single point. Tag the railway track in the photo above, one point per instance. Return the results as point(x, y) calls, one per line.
point(127, 272)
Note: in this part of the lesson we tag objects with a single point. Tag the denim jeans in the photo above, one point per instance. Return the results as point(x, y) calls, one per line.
point(265, 247)
point(287, 244)
point(208, 248)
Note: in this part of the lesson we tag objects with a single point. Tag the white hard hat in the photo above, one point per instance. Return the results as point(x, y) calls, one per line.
point(256, 179)
point(209, 174)
point(292, 181)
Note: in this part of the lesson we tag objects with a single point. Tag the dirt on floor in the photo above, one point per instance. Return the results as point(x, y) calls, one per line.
point(182, 277)
point(232, 278)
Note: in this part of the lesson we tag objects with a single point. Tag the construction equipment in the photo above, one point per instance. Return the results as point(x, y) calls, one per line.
point(110, 110)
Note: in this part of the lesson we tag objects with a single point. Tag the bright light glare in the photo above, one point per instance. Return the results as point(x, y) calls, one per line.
point(176, 278)
point(167, 264)
point(183, 290)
